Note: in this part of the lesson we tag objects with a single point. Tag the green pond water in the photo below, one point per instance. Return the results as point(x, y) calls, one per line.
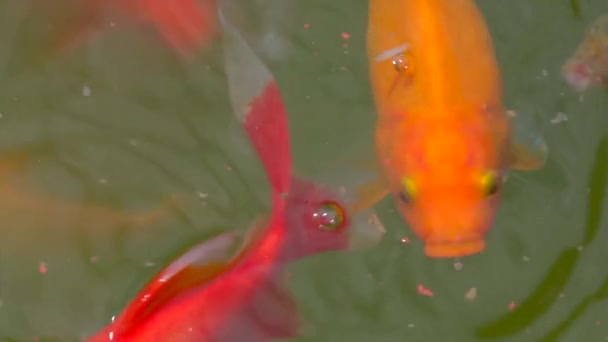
point(123, 124)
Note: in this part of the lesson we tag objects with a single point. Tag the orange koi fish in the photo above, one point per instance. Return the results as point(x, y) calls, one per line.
point(443, 138)
point(588, 65)
point(207, 296)
point(185, 25)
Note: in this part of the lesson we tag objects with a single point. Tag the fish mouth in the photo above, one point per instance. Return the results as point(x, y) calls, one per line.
point(365, 234)
point(452, 249)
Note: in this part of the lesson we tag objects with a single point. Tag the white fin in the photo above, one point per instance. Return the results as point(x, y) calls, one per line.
point(247, 74)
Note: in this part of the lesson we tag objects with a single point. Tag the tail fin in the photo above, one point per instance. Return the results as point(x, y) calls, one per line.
point(258, 104)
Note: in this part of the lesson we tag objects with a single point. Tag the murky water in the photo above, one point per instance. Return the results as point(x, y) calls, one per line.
point(122, 125)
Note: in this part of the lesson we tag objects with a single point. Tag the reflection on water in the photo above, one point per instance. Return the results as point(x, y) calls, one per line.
point(126, 111)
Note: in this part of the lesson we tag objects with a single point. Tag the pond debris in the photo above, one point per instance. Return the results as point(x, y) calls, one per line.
point(423, 291)
point(373, 277)
point(149, 264)
point(458, 265)
point(525, 258)
point(42, 267)
point(405, 240)
point(559, 117)
point(471, 294)
point(588, 65)
point(345, 36)
point(306, 26)
point(86, 90)
point(203, 197)
point(543, 74)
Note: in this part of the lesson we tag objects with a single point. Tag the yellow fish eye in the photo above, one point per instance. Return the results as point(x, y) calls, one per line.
point(490, 183)
point(408, 194)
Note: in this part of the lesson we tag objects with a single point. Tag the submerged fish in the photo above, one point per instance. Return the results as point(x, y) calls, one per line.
point(185, 25)
point(443, 138)
point(588, 66)
point(214, 294)
point(22, 205)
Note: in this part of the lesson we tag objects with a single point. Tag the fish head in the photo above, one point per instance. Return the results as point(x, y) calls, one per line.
point(447, 176)
point(319, 220)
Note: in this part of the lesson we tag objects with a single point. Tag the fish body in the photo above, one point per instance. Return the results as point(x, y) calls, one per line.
point(442, 136)
point(205, 295)
point(208, 299)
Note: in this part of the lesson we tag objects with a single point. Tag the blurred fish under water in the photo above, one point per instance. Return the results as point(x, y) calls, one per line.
point(21, 203)
point(588, 65)
point(443, 138)
point(185, 25)
point(220, 291)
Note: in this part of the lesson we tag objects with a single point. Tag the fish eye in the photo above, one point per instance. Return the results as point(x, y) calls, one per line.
point(408, 193)
point(490, 183)
point(329, 216)
point(404, 197)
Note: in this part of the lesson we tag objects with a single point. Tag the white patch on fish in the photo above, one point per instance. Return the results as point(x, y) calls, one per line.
point(390, 53)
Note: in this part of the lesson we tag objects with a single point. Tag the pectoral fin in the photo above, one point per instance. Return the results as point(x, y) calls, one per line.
point(524, 158)
point(528, 150)
point(271, 314)
point(368, 194)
